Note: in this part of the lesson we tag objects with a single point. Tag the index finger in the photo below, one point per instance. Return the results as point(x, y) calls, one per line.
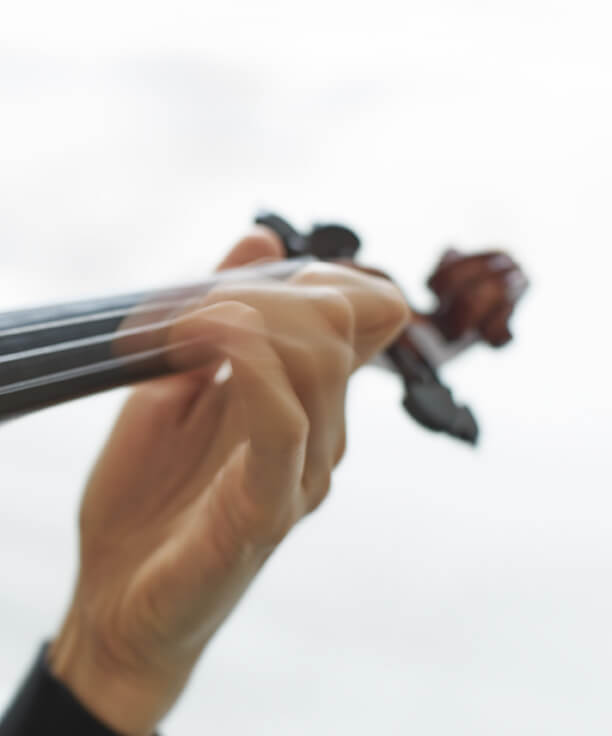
point(261, 243)
point(380, 309)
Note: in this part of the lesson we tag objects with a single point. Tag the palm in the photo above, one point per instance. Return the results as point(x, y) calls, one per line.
point(166, 494)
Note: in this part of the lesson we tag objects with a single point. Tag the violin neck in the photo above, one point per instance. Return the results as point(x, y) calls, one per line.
point(56, 353)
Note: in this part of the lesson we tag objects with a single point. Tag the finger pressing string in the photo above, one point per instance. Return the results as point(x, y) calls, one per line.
point(276, 424)
point(260, 243)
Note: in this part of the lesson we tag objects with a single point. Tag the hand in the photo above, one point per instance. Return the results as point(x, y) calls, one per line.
point(202, 478)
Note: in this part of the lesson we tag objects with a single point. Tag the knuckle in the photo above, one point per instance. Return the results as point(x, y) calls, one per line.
point(338, 311)
point(274, 527)
point(336, 364)
point(331, 302)
point(295, 430)
point(394, 304)
point(318, 273)
point(317, 489)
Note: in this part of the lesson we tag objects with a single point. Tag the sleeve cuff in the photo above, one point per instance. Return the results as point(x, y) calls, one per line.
point(43, 705)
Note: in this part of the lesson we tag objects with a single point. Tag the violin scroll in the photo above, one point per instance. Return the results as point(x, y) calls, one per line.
point(476, 292)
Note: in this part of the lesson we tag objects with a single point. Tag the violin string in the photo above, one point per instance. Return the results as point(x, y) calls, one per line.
point(86, 319)
point(13, 360)
point(88, 369)
point(108, 337)
point(149, 300)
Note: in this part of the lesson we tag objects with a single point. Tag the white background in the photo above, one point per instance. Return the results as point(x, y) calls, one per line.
point(440, 590)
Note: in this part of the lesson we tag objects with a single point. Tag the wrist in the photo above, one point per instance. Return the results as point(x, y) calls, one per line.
point(123, 700)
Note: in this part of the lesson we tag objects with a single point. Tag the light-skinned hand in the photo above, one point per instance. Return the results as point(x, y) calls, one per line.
point(202, 478)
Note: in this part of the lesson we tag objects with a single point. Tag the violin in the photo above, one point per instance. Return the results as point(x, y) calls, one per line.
point(61, 352)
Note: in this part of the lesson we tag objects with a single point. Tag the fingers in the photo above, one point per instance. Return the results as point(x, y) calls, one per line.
point(379, 309)
point(314, 332)
point(319, 368)
point(325, 323)
point(310, 328)
point(366, 312)
point(182, 392)
point(253, 497)
point(260, 243)
point(275, 421)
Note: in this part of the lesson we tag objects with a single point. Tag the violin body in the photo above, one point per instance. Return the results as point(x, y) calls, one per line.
point(61, 352)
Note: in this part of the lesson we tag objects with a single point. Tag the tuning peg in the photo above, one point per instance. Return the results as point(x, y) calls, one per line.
point(326, 242)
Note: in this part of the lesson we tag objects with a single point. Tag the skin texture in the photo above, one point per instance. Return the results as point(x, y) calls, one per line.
point(202, 478)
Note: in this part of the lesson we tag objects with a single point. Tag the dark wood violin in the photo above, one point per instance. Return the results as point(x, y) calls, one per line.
point(61, 352)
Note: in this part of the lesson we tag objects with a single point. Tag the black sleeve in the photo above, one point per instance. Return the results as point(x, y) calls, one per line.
point(43, 706)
